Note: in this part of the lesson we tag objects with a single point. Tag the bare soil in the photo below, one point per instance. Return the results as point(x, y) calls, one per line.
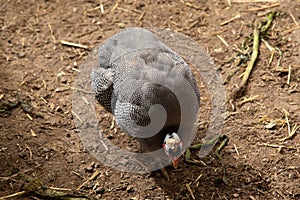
point(39, 145)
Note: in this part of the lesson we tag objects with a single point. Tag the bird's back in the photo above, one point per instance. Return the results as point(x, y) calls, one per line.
point(137, 71)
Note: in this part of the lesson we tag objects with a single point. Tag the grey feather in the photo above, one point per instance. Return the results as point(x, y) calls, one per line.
point(124, 82)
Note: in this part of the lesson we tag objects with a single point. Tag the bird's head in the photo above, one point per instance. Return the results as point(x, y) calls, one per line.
point(173, 148)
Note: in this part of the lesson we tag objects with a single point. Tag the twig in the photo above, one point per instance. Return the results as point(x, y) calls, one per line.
point(289, 75)
point(193, 24)
point(77, 116)
point(294, 19)
point(256, 35)
point(142, 16)
point(13, 195)
point(51, 31)
point(61, 189)
point(124, 9)
point(271, 58)
point(290, 30)
point(30, 152)
point(96, 8)
point(268, 45)
point(190, 190)
point(222, 40)
point(91, 178)
point(280, 57)
point(190, 5)
point(236, 150)
point(272, 49)
point(264, 7)
point(218, 32)
point(291, 134)
point(246, 100)
point(29, 117)
point(277, 146)
point(114, 8)
point(237, 16)
point(64, 42)
point(287, 120)
point(197, 179)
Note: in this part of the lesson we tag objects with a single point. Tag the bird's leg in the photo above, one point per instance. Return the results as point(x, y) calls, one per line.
point(165, 173)
point(222, 138)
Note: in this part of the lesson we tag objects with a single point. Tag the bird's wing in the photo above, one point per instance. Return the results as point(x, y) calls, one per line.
point(102, 85)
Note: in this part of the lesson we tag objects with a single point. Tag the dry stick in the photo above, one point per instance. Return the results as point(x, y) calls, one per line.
point(197, 179)
point(190, 5)
point(291, 134)
point(264, 7)
point(289, 75)
point(51, 31)
point(73, 44)
point(250, 99)
point(101, 8)
point(290, 30)
point(278, 146)
point(293, 18)
point(114, 8)
point(190, 190)
point(41, 190)
point(236, 150)
point(256, 36)
point(223, 41)
point(287, 120)
point(142, 16)
point(91, 178)
point(194, 24)
point(13, 195)
point(249, 68)
point(231, 19)
point(218, 32)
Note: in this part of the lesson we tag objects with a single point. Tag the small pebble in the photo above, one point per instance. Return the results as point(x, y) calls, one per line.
point(22, 55)
point(236, 195)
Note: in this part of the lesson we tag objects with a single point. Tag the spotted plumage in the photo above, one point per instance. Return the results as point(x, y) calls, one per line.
point(134, 72)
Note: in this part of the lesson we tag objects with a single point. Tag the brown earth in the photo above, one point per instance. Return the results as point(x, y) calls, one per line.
point(38, 135)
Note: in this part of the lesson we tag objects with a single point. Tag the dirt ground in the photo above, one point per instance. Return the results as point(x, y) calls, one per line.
point(39, 145)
